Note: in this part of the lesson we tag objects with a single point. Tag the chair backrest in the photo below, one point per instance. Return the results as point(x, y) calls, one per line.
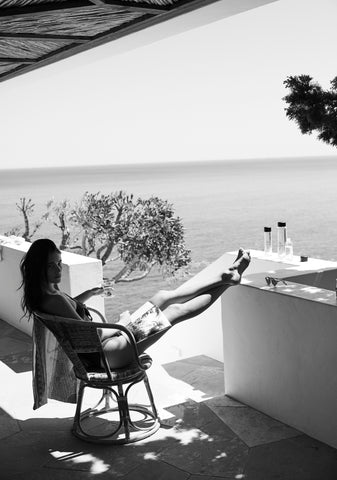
point(80, 341)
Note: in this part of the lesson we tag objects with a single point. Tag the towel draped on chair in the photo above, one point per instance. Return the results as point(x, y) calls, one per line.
point(53, 375)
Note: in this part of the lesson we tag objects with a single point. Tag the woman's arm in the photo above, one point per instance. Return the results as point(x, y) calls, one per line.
point(84, 296)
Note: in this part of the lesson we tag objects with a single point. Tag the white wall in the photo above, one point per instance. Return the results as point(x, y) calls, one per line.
point(79, 274)
point(280, 352)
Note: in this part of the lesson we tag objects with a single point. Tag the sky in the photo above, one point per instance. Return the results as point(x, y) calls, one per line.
point(210, 93)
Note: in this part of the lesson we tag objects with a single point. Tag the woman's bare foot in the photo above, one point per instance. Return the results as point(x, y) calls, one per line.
point(233, 277)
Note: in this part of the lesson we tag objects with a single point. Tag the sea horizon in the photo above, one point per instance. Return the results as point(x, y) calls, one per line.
point(168, 163)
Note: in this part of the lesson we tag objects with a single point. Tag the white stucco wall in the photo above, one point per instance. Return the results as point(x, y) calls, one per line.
point(280, 352)
point(79, 273)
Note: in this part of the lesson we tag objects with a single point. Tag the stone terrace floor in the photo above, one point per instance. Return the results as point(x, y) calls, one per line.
point(206, 435)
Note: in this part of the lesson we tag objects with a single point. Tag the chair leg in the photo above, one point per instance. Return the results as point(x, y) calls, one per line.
point(150, 395)
point(124, 411)
point(127, 431)
point(77, 417)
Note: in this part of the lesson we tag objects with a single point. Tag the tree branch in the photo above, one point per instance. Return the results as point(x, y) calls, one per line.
point(134, 279)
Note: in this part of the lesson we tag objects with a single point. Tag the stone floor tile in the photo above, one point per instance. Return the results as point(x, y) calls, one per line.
point(106, 460)
point(206, 445)
point(95, 462)
point(216, 403)
point(156, 470)
point(205, 375)
point(10, 346)
point(8, 427)
point(7, 329)
point(168, 390)
point(46, 474)
point(299, 458)
point(33, 425)
point(19, 335)
point(253, 427)
point(18, 362)
point(205, 361)
point(199, 415)
point(24, 452)
point(202, 455)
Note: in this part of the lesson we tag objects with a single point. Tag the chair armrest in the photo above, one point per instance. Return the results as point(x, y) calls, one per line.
point(101, 316)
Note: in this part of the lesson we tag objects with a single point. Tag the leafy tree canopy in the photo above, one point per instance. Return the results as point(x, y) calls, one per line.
point(140, 233)
point(312, 107)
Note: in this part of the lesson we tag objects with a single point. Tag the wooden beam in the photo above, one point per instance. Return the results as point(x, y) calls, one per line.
point(47, 36)
point(26, 11)
point(135, 25)
point(131, 6)
point(9, 12)
point(18, 60)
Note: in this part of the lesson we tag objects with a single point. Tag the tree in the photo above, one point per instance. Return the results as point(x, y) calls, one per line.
point(26, 208)
point(141, 233)
point(312, 107)
point(60, 210)
point(115, 227)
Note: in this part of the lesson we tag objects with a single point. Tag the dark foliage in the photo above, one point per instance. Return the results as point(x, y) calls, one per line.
point(312, 107)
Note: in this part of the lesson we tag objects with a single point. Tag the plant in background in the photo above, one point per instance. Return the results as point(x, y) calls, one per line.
point(141, 234)
point(61, 212)
point(26, 208)
point(136, 234)
point(312, 107)
point(154, 237)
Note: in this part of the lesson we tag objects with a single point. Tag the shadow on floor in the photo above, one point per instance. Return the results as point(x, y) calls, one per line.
point(206, 435)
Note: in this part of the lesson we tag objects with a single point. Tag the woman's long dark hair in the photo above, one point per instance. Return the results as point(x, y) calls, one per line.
point(33, 268)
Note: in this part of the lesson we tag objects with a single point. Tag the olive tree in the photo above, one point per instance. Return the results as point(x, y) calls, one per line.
point(136, 233)
point(140, 233)
point(26, 209)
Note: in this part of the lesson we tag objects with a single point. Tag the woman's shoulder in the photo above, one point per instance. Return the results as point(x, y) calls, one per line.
point(55, 303)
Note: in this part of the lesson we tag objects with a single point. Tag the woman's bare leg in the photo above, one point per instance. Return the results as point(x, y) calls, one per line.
point(187, 291)
point(119, 351)
point(178, 305)
point(180, 312)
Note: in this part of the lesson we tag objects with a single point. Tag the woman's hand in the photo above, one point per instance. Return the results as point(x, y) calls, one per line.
point(96, 291)
point(83, 297)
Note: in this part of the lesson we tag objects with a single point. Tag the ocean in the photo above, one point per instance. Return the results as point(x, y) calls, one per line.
point(223, 204)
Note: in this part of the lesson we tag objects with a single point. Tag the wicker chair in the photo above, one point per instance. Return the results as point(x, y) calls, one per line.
point(81, 341)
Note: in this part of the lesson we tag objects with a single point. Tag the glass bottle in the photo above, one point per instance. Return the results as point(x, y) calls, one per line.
point(267, 234)
point(289, 251)
point(281, 239)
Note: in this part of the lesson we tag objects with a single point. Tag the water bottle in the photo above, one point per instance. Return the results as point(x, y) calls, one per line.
point(267, 241)
point(281, 239)
point(289, 249)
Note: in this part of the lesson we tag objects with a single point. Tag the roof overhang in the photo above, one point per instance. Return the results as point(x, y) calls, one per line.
point(35, 33)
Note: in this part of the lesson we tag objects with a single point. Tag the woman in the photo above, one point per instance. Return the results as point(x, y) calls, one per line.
point(41, 270)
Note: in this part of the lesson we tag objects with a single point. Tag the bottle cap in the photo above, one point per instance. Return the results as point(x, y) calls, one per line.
point(281, 224)
point(267, 229)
